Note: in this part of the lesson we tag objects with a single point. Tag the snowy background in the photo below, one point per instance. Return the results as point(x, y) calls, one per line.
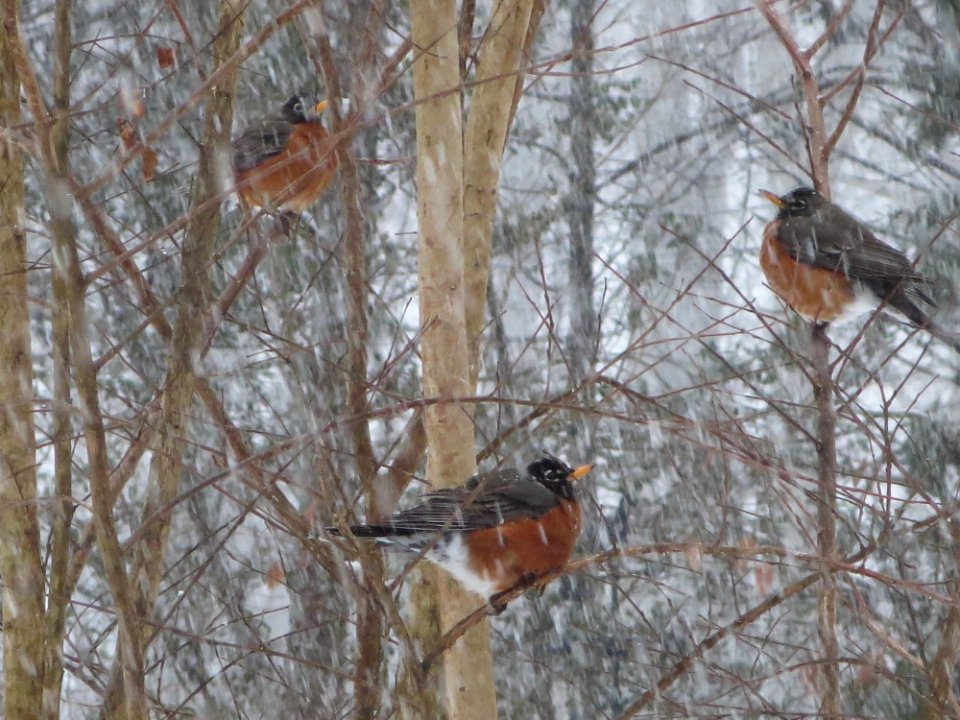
point(628, 325)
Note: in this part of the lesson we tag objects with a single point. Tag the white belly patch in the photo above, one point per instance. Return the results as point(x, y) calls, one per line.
point(451, 555)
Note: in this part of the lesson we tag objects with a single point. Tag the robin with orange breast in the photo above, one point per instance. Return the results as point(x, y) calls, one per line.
point(828, 266)
point(284, 163)
point(499, 529)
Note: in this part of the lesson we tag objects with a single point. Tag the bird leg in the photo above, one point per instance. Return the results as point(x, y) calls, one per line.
point(528, 581)
point(498, 602)
point(288, 221)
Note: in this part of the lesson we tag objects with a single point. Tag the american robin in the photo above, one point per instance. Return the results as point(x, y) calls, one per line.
point(828, 266)
point(498, 529)
point(284, 163)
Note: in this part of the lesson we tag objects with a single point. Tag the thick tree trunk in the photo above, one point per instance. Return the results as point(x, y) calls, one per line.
point(457, 179)
point(467, 667)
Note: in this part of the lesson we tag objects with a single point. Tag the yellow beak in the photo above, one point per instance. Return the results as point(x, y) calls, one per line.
point(580, 472)
point(772, 197)
point(320, 106)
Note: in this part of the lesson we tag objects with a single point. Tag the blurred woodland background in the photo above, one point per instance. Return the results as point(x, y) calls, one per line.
point(189, 394)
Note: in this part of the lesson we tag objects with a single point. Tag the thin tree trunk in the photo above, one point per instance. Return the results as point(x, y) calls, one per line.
point(66, 264)
point(23, 635)
point(826, 434)
point(943, 668)
point(819, 146)
point(63, 505)
point(193, 299)
point(369, 614)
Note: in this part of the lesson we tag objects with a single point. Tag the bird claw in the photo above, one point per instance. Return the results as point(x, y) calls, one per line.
point(530, 584)
point(498, 603)
point(536, 590)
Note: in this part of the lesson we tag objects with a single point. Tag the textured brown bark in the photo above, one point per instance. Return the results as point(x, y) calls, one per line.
point(23, 660)
point(479, 206)
point(112, 553)
point(467, 666)
point(501, 67)
point(66, 265)
point(826, 434)
point(457, 178)
point(192, 302)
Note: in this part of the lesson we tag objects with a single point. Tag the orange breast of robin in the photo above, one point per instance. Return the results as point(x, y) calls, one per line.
point(815, 293)
point(294, 178)
point(526, 548)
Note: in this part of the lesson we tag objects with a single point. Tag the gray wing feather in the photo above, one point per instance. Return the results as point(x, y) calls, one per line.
point(839, 242)
point(486, 500)
point(260, 142)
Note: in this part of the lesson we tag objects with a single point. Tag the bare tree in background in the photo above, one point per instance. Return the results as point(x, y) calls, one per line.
point(581, 202)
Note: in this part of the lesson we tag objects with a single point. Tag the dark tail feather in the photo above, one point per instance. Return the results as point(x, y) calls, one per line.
point(950, 338)
point(923, 321)
point(374, 531)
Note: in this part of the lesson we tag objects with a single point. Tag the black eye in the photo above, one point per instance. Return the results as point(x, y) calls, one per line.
point(298, 108)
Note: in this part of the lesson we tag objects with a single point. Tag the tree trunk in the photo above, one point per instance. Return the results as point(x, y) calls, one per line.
point(20, 569)
point(579, 206)
point(820, 144)
point(63, 505)
point(457, 179)
point(491, 113)
point(467, 667)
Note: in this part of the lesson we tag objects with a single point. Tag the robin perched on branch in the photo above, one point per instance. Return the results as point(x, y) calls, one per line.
point(499, 529)
point(828, 266)
point(284, 163)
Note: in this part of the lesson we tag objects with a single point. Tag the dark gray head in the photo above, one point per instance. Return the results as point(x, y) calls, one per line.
point(302, 108)
point(293, 109)
point(800, 202)
point(556, 475)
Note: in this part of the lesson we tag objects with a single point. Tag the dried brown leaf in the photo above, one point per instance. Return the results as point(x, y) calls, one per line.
point(149, 167)
point(165, 57)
